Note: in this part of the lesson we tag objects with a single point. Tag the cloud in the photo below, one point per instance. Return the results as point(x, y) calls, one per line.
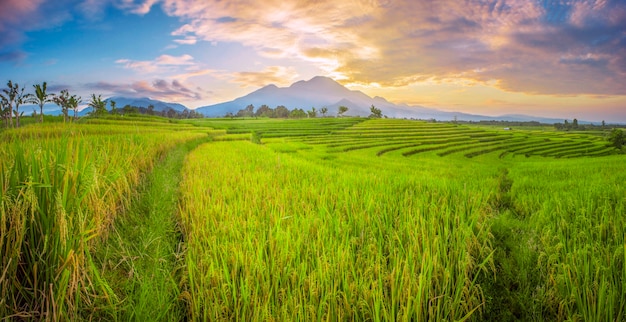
point(140, 7)
point(20, 16)
point(14, 10)
point(196, 73)
point(162, 63)
point(15, 56)
point(158, 89)
point(188, 40)
point(520, 46)
point(588, 59)
point(277, 75)
point(56, 88)
point(93, 9)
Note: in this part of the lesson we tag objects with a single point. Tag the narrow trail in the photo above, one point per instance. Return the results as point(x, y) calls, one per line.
point(143, 257)
point(510, 296)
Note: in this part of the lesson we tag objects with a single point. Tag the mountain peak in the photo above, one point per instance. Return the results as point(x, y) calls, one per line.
point(144, 102)
point(317, 92)
point(322, 79)
point(319, 83)
point(269, 87)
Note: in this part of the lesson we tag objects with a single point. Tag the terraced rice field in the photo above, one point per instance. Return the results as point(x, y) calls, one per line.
point(361, 178)
point(411, 138)
point(309, 220)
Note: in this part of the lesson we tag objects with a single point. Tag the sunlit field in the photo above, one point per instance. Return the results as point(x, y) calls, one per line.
point(309, 220)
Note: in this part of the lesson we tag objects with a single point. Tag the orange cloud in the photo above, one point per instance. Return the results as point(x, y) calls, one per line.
point(276, 75)
point(517, 45)
point(160, 89)
point(160, 64)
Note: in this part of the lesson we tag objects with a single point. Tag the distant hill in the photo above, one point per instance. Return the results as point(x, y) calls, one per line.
point(321, 92)
point(120, 102)
point(318, 92)
point(159, 106)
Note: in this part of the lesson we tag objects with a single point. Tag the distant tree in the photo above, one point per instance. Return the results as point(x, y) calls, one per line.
point(566, 125)
point(193, 114)
point(113, 107)
point(150, 109)
point(128, 109)
point(10, 95)
point(281, 112)
point(249, 111)
point(297, 113)
point(603, 124)
point(4, 110)
point(312, 113)
point(264, 110)
point(617, 138)
point(63, 101)
point(73, 103)
point(98, 105)
point(20, 98)
point(575, 123)
point(324, 110)
point(41, 97)
point(342, 110)
point(376, 113)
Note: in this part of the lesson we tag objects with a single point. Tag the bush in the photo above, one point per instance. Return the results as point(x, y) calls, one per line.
point(617, 138)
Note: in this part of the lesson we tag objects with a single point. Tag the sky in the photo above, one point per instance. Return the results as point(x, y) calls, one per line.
point(551, 58)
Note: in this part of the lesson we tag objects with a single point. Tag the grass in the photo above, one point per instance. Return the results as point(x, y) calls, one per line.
point(60, 195)
point(313, 219)
point(142, 257)
point(302, 241)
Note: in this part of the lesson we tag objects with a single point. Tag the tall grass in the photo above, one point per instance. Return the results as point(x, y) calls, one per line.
point(286, 231)
point(577, 209)
point(274, 236)
point(60, 195)
point(282, 228)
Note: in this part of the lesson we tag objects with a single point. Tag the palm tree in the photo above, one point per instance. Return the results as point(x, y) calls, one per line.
point(98, 105)
point(113, 107)
point(62, 100)
point(41, 97)
point(324, 110)
point(73, 103)
point(4, 110)
point(20, 98)
point(9, 96)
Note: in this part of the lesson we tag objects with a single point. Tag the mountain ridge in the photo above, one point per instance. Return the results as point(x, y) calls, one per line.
point(322, 91)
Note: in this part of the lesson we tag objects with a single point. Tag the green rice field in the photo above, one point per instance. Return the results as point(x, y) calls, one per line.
point(324, 219)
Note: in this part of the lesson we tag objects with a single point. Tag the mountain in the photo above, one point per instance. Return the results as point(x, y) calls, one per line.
point(321, 92)
point(121, 101)
point(159, 106)
point(317, 92)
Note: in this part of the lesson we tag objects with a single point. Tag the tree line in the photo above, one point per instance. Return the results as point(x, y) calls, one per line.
point(15, 96)
point(168, 112)
point(282, 112)
point(575, 126)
